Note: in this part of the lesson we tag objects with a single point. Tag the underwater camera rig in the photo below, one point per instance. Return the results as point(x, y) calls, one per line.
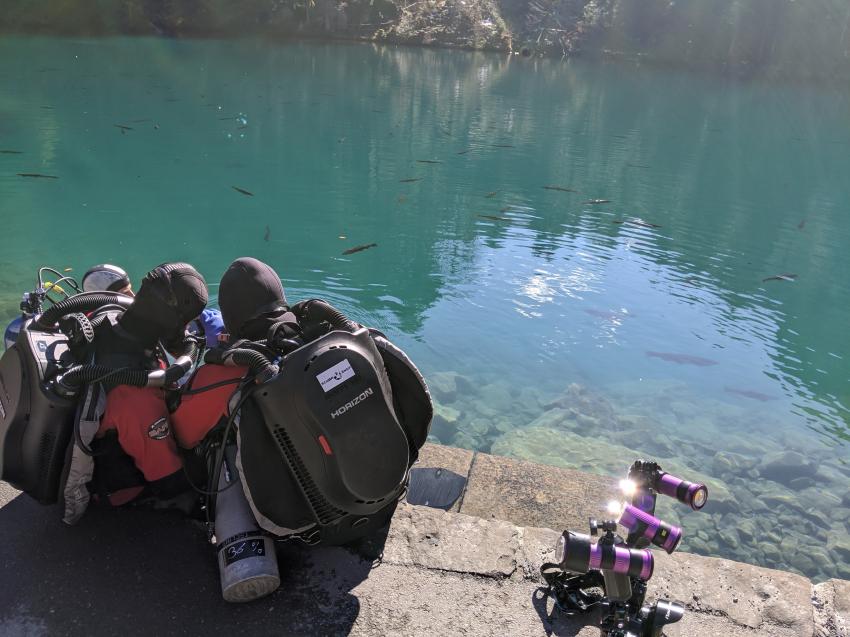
point(621, 568)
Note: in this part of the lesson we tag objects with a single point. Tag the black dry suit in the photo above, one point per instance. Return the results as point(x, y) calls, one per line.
point(326, 440)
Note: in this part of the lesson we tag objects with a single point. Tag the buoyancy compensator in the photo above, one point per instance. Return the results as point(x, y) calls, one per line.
point(325, 446)
point(36, 414)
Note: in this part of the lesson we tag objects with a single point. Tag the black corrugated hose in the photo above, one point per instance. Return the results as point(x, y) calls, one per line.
point(314, 310)
point(258, 365)
point(71, 380)
point(84, 302)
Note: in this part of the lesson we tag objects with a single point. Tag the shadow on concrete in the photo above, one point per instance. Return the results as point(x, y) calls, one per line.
point(127, 572)
point(555, 621)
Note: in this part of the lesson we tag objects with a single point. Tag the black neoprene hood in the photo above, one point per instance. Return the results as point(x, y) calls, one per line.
point(250, 289)
point(171, 295)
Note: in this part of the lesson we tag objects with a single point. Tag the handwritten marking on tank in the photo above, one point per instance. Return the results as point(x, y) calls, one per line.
point(37, 176)
point(410, 180)
point(559, 189)
point(360, 248)
point(682, 359)
point(780, 277)
point(243, 191)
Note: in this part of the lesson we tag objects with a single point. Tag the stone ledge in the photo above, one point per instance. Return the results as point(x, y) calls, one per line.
point(741, 597)
point(722, 597)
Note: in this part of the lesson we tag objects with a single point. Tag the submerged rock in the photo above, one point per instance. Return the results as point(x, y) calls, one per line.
point(443, 386)
point(785, 466)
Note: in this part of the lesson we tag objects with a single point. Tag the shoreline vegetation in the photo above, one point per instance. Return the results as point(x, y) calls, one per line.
point(738, 38)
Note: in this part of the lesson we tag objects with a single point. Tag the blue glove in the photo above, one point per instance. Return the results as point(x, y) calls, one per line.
point(210, 324)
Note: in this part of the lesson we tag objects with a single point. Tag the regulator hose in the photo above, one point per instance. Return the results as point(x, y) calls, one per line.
point(76, 376)
point(258, 365)
point(316, 310)
point(84, 302)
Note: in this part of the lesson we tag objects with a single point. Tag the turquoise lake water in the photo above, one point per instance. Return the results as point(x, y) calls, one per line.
point(698, 316)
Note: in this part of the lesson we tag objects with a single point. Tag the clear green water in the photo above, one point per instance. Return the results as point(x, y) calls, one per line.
point(552, 333)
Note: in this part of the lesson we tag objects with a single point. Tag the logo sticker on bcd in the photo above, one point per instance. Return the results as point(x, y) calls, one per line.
point(159, 429)
point(335, 375)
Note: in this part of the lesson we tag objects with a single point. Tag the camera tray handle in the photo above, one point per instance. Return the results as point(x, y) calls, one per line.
point(569, 590)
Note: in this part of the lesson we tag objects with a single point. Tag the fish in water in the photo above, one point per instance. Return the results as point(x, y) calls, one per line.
point(682, 359)
point(463, 152)
point(801, 225)
point(267, 234)
point(410, 180)
point(494, 218)
point(139, 121)
point(637, 165)
point(607, 315)
point(593, 202)
point(401, 199)
point(748, 393)
point(243, 191)
point(558, 188)
point(377, 110)
point(637, 222)
point(67, 270)
point(11, 152)
point(122, 127)
point(37, 176)
point(503, 145)
point(490, 195)
point(780, 277)
point(360, 248)
point(428, 161)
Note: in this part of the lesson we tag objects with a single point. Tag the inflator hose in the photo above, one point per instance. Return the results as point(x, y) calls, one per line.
point(80, 374)
point(258, 365)
point(84, 302)
point(316, 310)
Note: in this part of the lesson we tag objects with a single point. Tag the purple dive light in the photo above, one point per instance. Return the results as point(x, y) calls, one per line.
point(575, 552)
point(694, 494)
point(642, 524)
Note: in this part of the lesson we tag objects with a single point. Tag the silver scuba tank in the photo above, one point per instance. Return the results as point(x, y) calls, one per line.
point(246, 556)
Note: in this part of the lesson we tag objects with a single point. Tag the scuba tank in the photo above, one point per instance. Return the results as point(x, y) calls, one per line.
point(246, 556)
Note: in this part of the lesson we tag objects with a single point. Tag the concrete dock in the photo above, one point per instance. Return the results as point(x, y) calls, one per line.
point(473, 570)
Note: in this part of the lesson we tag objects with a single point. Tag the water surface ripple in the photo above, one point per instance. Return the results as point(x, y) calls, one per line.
point(588, 262)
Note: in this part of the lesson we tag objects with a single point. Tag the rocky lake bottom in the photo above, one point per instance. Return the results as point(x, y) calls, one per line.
point(777, 498)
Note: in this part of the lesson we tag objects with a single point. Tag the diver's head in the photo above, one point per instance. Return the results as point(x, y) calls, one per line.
point(108, 278)
point(171, 295)
point(251, 298)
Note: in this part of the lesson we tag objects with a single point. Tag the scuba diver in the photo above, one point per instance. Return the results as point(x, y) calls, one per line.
point(135, 451)
point(305, 426)
point(314, 419)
